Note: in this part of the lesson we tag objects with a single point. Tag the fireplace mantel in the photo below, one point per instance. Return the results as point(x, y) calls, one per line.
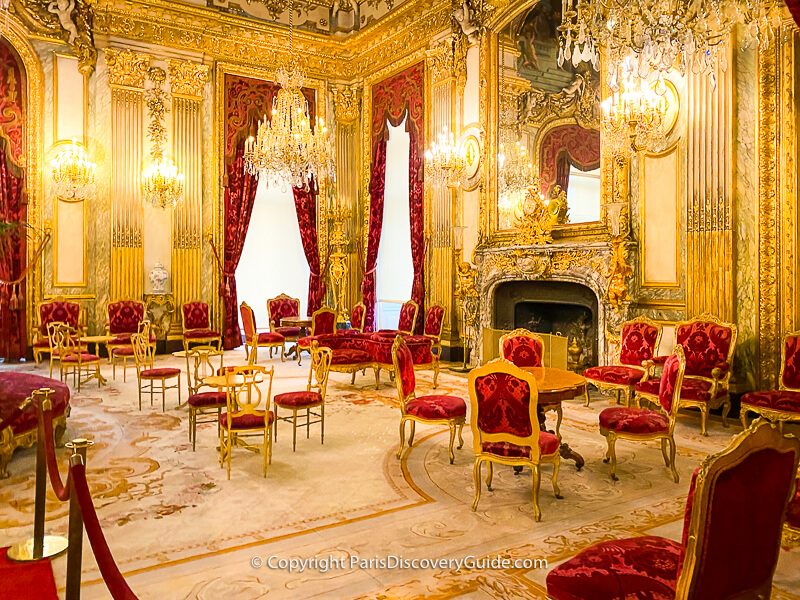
point(587, 263)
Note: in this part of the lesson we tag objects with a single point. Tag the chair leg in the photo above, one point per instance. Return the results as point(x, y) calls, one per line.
point(664, 451)
point(163, 395)
point(586, 393)
point(726, 408)
point(402, 436)
point(353, 380)
point(308, 423)
point(452, 439)
point(611, 455)
point(322, 424)
point(617, 395)
point(283, 351)
point(556, 467)
point(264, 453)
point(704, 420)
point(460, 439)
point(672, 459)
point(435, 374)
point(377, 377)
point(560, 417)
point(489, 475)
point(294, 430)
point(230, 451)
point(743, 417)
point(537, 513)
point(411, 437)
point(476, 475)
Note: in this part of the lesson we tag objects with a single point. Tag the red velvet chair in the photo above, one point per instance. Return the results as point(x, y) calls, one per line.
point(201, 362)
point(124, 320)
point(433, 409)
point(57, 310)
point(312, 398)
point(357, 317)
point(505, 427)
point(731, 534)
point(279, 308)
point(197, 325)
point(639, 342)
point(708, 344)
point(642, 425)
point(323, 322)
point(434, 323)
point(781, 405)
point(253, 340)
point(406, 322)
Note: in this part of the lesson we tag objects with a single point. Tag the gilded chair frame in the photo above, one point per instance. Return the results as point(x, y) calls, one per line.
point(437, 339)
point(364, 314)
point(200, 358)
point(760, 435)
point(239, 401)
point(110, 345)
point(119, 352)
point(251, 344)
point(666, 437)
point(64, 344)
point(37, 333)
point(202, 341)
point(619, 388)
point(320, 311)
point(535, 458)
point(456, 422)
point(144, 357)
point(776, 416)
point(413, 321)
point(716, 379)
point(317, 381)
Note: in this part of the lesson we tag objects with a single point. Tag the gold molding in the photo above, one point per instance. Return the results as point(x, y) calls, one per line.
point(788, 209)
point(346, 104)
point(126, 68)
point(84, 92)
point(187, 78)
point(56, 280)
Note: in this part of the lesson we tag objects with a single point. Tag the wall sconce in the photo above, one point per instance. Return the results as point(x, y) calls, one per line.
point(73, 174)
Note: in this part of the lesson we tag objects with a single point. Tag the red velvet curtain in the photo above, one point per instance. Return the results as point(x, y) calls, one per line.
point(394, 99)
point(576, 146)
point(13, 206)
point(562, 171)
point(794, 8)
point(305, 203)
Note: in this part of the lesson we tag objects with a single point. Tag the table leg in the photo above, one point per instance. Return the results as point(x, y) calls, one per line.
point(564, 450)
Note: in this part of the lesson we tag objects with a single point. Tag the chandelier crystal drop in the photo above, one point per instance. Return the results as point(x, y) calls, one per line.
point(285, 149)
point(445, 163)
point(658, 34)
point(633, 117)
point(73, 174)
point(162, 185)
point(515, 167)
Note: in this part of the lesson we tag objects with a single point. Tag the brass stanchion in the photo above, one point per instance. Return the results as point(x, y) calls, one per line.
point(75, 554)
point(40, 545)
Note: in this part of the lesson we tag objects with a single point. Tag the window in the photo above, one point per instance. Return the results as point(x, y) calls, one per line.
point(583, 196)
point(395, 270)
point(273, 261)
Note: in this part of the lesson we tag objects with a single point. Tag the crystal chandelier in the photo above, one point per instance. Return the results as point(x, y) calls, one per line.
point(285, 149)
point(515, 168)
point(445, 164)
point(73, 174)
point(633, 117)
point(658, 34)
point(162, 185)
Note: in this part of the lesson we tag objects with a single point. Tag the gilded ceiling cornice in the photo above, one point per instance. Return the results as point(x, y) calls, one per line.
point(235, 38)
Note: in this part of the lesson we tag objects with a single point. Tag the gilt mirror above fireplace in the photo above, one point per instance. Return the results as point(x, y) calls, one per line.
point(549, 119)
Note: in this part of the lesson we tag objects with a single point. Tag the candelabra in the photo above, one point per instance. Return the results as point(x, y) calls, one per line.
point(633, 117)
point(445, 164)
point(73, 174)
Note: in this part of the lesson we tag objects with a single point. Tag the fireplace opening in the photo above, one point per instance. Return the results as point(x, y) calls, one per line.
point(554, 307)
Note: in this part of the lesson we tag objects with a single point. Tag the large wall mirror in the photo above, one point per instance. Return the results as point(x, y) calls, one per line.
point(552, 114)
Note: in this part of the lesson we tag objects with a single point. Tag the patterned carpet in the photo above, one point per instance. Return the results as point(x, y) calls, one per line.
point(180, 530)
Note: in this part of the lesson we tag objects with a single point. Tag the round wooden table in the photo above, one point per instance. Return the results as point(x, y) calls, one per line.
point(554, 386)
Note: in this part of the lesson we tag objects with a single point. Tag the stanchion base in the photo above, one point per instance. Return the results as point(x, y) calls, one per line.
point(23, 552)
point(461, 369)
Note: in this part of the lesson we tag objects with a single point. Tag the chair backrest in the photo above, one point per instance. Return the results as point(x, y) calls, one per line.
point(143, 350)
point(434, 320)
point(523, 348)
point(708, 343)
point(321, 358)
point(62, 339)
point(280, 307)
point(195, 316)
point(790, 362)
point(734, 516)
point(124, 316)
point(639, 341)
point(669, 390)
point(59, 311)
point(323, 321)
point(408, 317)
point(202, 362)
point(243, 392)
point(404, 377)
point(357, 317)
point(248, 322)
point(503, 400)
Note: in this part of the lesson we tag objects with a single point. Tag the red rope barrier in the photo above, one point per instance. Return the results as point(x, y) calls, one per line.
point(108, 568)
point(61, 490)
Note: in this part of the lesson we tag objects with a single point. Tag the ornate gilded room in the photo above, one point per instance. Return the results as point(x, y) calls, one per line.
point(562, 236)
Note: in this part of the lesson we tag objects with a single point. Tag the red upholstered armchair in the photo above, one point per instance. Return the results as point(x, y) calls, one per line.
point(57, 310)
point(639, 424)
point(124, 319)
point(505, 428)
point(523, 348)
point(407, 320)
point(253, 340)
point(197, 325)
point(434, 322)
point(357, 317)
point(323, 322)
point(708, 345)
point(423, 409)
point(639, 341)
point(781, 405)
point(731, 534)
